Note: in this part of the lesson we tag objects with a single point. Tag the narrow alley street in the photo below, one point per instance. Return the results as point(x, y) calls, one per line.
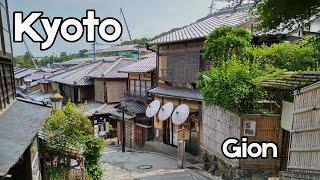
point(140, 165)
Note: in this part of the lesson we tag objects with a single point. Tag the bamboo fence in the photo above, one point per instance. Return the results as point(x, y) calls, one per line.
point(304, 151)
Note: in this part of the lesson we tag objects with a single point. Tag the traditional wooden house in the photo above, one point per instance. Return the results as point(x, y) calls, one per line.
point(178, 63)
point(141, 79)
point(20, 75)
point(74, 84)
point(109, 84)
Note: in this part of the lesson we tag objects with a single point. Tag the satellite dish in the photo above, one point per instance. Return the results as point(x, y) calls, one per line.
point(153, 108)
point(165, 111)
point(180, 114)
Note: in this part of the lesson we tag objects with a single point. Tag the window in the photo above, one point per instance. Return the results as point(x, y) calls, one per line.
point(148, 85)
point(137, 87)
point(132, 89)
point(5, 30)
point(143, 88)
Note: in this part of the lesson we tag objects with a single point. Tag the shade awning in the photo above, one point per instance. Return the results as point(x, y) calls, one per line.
point(19, 124)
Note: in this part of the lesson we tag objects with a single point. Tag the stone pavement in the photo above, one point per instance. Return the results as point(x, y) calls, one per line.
point(144, 166)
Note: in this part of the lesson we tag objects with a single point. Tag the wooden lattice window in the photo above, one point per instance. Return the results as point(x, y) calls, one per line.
point(7, 85)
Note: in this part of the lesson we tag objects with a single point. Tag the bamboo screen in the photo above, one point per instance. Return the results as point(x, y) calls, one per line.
point(304, 151)
point(219, 125)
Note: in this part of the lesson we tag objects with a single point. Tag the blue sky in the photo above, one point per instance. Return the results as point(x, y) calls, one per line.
point(146, 18)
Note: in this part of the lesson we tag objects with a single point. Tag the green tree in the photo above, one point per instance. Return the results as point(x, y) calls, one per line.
point(274, 12)
point(226, 42)
point(67, 128)
point(24, 61)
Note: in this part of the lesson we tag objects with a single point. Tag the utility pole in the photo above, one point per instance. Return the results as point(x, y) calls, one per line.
point(125, 22)
point(31, 56)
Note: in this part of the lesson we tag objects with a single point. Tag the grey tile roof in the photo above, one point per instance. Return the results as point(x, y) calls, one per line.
point(202, 28)
point(40, 96)
point(145, 65)
point(37, 75)
point(136, 107)
point(110, 70)
point(25, 73)
point(19, 124)
point(106, 108)
point(76, 75)
point(181, 93)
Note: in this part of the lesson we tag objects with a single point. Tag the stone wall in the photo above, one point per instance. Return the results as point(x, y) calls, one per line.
point(216, 166)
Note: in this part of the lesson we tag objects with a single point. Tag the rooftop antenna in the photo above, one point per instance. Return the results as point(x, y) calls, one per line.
point(31, 56)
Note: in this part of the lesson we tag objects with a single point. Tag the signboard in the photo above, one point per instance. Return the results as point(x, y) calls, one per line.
point(184, 134)
point(249, 128)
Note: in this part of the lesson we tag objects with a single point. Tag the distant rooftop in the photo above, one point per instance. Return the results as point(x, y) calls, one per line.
point(78, 61)
point(24, 72)
point(80, 75)
point(202, 27)
point(133, 47)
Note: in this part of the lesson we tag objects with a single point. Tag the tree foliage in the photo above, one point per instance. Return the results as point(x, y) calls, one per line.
point(235, 85)
point(24, 61)
point(226, 42)
point(67, 128)
point(289, 56)
point(274, 12)
point(234, 80)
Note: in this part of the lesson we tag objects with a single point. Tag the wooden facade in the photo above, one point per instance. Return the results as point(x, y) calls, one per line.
point(219, 125)
point(167, 132)
point(179, 63)
point(109, 90)
point(177, 67)
point(304, 151)
point(77, 94)
point(139, 84)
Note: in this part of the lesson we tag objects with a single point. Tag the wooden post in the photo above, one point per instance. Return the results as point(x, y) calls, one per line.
point(181, 154)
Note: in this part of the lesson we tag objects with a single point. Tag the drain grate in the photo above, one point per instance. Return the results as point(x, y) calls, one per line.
point(145, 167)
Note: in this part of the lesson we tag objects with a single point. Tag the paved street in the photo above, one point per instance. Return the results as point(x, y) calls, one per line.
point(136, 165)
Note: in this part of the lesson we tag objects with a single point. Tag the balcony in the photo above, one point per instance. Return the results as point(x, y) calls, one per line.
point(137, 96)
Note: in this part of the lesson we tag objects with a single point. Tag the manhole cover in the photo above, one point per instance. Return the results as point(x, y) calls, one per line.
point(144, 167)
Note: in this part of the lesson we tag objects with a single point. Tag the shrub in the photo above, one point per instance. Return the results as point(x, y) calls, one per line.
point(226, 42)
point(235, 85)
point(292, 57)
point(68, 128)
